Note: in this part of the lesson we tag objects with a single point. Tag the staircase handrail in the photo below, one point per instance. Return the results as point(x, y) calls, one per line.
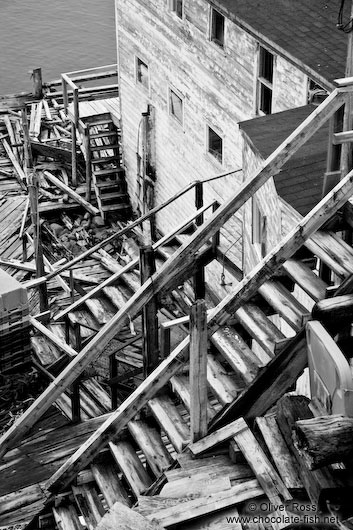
point(128, 228)
point(172, 269)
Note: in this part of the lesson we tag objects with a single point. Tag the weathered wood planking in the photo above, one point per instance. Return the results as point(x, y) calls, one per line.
point(181, 260)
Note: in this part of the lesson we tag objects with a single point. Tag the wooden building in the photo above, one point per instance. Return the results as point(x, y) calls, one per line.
point(190, 71)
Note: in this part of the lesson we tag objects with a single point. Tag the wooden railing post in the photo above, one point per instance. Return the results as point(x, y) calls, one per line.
point(74, 155)
point(88, 164)
point(198, 370)
point(76, 107)
point(199, 278)
point(216, 237)
point(149, 314)
point(65, 96)
point(75, 401)
point(165, 346)
point(37, 243)
point(113, 370)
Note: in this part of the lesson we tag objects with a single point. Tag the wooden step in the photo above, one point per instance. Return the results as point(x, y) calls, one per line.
point(221, 384)
point(113, 195)
point(107, 171)
point(314, 286)
point(87, 500)
point(236, 352)
point(131, 466)
point(66, 517)
point(108, 482)
point(261, 329)
point(284, 303)
point(181, 387)
point(104, 159)
point(333, 251)
point(103, 134)
point(103, 121)
point(170, 421)
point(151, 444)
point(104, 147)
point(115, 207)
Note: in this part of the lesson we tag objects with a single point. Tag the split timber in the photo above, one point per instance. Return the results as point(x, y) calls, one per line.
point(146, 467)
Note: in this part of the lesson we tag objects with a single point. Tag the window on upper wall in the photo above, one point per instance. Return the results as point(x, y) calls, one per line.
point(176, 105)
point(215, 144)
point(177, 6)
point(142, 75)
point(264, 82)
point(217, 27)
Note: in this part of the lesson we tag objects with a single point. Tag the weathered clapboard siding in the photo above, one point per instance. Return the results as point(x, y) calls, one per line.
point(268, 200)
point(217, 86)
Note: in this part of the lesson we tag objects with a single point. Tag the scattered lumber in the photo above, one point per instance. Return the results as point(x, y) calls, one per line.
point(219, 436)
point(324, 440)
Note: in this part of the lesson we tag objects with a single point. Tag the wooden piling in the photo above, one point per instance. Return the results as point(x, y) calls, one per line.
point(198, 370)
point(149, 314)
point(37, 83)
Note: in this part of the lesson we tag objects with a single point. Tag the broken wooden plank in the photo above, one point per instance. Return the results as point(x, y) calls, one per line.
point(187, 511)
point(71, 193)
point(108, 482)
point(279, 452)
point(223, 434)
point(120, 517)
point(170, 421)
point(267, 476)
point(131, 466)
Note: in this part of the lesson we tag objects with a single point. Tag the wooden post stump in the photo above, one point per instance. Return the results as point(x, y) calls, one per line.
point(37, 83)
point(324, 440)
point(198, 370)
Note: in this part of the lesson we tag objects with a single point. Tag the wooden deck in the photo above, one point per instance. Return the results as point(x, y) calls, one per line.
point(92, 108)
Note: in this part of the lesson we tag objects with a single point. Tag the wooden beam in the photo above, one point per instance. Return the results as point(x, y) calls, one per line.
point(198, 370)
point(62, 346)
point(59, 184)
point(176, 266)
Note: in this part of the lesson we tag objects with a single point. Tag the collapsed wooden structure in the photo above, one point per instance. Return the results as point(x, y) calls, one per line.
point(183, 443)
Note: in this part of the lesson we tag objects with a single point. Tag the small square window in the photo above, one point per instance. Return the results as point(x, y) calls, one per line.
point(177, 6)
point(142, 73)
point(215, 144)
point(176, 106)
point(217, 28)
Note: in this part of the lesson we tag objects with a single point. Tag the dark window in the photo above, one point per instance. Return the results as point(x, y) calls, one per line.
point(265, 80)
point(316, 93)
point(176, 106)
point(215, 145)
point(177, 6)
point(217, 28)
point(142, 73)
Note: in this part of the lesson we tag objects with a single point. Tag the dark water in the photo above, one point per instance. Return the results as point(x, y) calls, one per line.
point(56, 35)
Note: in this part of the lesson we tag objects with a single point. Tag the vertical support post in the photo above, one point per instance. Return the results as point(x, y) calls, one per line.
point(72, 287)
point(165, 346)
point(74, 155)
point(198, 370)
point(199, 277)
point(65, 96)
point(27, 144)
point(38, 250)
point(37, 83)
point(77, 332)
point(88, 164)
point(113, 370)
point(346, 152)
point(24, 248)
point(76, 107)
point(149, 314)
point(67, 329)
point(75, 401)
point(216, 237)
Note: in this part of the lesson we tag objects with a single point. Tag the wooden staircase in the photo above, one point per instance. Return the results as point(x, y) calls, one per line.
point(108, 175)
